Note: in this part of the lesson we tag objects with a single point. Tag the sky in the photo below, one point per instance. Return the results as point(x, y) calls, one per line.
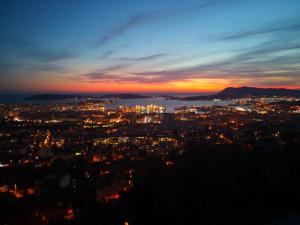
point(148, 45)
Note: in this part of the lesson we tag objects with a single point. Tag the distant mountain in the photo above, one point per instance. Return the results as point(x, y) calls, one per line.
point(242, 92)
point(231, 92)
point(49, 97)
point(125, 96)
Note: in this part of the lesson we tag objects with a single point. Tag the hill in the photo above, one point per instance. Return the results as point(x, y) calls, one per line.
point(242, 92)
point(257, 92)
point(50, 97)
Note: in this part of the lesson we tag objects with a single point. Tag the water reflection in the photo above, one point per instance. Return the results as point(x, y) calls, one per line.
point(170, 105)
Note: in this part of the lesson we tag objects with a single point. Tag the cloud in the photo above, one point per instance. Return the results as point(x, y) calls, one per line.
point(48, 56)
point(161, 77)
point(131, 22)
point(104, 73)
point(144, 58)
point(49, 67)
point(105, 55)
point(253, 63)
point(273, 60)
point(9, 67)
point(95, 75)
point(289, 81)
point(279, 26)
point(238, 67)
point(4, 65)
point(151, 17)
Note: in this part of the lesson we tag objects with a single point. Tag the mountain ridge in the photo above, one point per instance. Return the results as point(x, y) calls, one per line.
point(245, 91)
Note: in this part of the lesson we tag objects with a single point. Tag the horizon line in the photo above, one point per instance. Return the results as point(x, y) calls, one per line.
point(13, 92)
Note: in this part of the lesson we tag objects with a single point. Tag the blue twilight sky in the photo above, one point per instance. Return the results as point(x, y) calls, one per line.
point(157, 45)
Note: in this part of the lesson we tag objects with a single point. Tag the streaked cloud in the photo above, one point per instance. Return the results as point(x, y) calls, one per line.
point(105, 55)
point(261, 63)
point(289, 25)
point(144, 58)
point(50, 55)
point(152, 17)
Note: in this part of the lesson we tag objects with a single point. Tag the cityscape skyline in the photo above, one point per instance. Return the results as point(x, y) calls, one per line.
point(143, 46)
point(142, 112)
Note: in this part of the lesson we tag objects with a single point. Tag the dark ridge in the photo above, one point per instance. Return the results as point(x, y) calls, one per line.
point(55, 97)
point(243, 92)
point(257, 92)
